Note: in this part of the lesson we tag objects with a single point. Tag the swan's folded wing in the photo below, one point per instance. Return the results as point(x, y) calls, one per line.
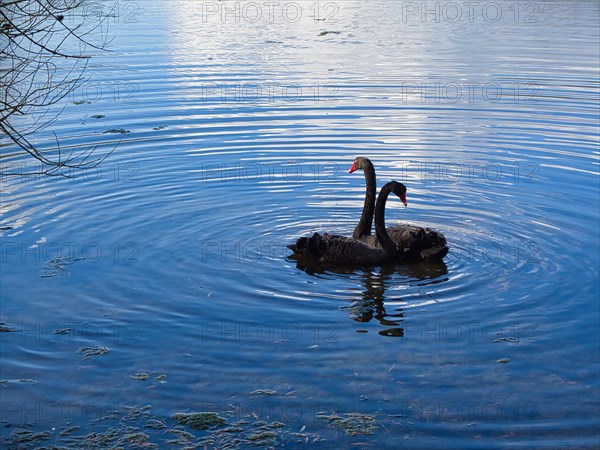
point(419, 243)
point(338, 250)
point(306, 246)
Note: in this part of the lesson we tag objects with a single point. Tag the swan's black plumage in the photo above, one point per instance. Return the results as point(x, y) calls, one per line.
point(336, 249)
point(415, 243)
point(346, 251)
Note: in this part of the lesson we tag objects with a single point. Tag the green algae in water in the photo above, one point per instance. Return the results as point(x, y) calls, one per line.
point(56, 266)
point(184, 439)
point(5, 328)
point(117, 131)
point(155, 424)
point(262, 437)
point(135, 412)
point(264, 392)
point(232, 429)
point(140, 376)
point(129, 437)
point(138, 428)
point(352, 423)
point(29, 437)
point(181, 433)
point(67, 431)
point(512, 340)
point(93, 351)
point(62, 330)
point(200, 420)
point(137, 439)
point(5, 383)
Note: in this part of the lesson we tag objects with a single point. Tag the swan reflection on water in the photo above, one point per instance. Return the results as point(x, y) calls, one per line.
point(406, 250)
point(371, 302)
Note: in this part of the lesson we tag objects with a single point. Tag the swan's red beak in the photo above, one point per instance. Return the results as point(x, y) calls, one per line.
point(353, 168)
point(403, 198)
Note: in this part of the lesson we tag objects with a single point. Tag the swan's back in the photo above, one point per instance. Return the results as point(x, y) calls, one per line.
point(338, 250)
point(415, 243)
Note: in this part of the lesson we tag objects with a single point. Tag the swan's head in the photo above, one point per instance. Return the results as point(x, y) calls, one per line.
point(400, 190)
point(360, 163)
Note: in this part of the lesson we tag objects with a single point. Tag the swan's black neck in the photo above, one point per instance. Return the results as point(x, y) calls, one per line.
point(366, 219)
point(382, 235)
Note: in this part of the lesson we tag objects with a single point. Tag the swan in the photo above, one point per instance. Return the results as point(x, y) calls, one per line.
point(342, 250)
point(416, 243)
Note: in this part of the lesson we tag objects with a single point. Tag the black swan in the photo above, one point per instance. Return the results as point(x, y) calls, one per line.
point(417, 244)
point(341, 250)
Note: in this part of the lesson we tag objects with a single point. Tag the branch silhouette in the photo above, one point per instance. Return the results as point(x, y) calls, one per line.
point(39, 68)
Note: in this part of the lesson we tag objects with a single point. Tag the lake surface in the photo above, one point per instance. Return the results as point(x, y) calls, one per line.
point(233, 125)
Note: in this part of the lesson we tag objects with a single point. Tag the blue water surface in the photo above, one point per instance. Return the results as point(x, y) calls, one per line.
point(232, 126)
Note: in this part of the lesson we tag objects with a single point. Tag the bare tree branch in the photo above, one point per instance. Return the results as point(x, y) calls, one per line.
point(33, 34)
